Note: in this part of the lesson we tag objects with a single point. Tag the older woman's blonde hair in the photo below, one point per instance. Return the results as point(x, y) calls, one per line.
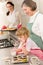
point(22, 31)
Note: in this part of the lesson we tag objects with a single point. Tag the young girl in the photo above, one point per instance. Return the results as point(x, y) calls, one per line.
point(27, 45)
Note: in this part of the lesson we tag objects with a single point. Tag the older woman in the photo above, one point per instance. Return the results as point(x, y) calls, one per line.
point(35, 23)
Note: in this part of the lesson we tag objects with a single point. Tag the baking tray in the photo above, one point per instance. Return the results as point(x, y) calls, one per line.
point(9, 29)
point(19, 62)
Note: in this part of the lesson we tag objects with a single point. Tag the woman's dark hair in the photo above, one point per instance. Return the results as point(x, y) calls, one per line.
point(7, 13)
point(11, 5)
point(30, 4)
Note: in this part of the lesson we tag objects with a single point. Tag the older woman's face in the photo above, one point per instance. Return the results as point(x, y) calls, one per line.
point(9, 7)
point(27, 10)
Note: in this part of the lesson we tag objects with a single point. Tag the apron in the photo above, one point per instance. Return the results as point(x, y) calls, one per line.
point(37, 39)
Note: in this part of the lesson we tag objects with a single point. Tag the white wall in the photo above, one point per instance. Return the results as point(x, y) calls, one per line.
point(41, 6)
point(3, 19)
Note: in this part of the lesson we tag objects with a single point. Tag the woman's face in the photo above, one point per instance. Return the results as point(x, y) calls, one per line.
point(27, 10)
point(9, 7)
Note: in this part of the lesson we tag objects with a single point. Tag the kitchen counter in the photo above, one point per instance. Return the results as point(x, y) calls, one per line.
point(6, 53)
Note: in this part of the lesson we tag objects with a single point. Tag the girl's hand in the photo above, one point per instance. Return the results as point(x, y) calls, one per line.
point(18, 50)
point(25, 51)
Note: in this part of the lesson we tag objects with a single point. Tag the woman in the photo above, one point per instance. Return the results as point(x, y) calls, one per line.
point(13, 17)
point(35, 23)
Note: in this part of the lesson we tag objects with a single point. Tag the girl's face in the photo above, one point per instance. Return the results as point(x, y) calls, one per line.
point(23, 38)
point(27, 10)
point(9, 7)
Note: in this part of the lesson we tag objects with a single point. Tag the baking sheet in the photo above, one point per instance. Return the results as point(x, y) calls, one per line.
point(18, 62)
point(9, 29)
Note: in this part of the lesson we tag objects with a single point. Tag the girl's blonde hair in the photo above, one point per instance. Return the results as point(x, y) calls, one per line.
point(23, 31)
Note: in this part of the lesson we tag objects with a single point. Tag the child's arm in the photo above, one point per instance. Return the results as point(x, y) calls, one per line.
point(25, 51)
point(19, 49)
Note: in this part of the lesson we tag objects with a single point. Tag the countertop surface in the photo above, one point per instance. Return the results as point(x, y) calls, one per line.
point(5, 52)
